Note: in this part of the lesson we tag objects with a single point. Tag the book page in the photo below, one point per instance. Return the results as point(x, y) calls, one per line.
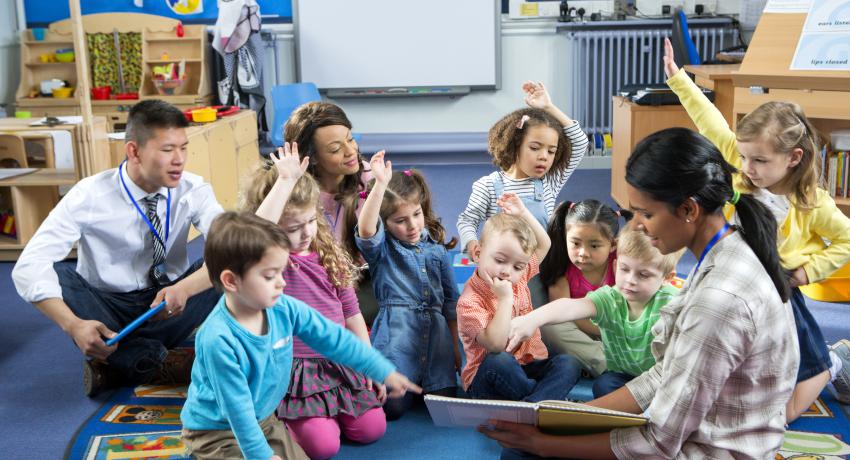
point(473, 412)
point(579, 407)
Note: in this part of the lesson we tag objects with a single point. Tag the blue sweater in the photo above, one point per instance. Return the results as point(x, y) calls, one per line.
point(239, 378)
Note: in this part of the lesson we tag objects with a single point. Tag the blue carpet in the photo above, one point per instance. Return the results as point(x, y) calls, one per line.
point(41, 397)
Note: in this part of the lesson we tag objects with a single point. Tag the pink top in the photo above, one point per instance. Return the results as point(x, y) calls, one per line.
point(580, 286)
point(334, 211)
point(308, 281)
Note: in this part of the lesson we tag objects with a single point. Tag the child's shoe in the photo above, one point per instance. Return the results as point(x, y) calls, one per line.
point(842, 379)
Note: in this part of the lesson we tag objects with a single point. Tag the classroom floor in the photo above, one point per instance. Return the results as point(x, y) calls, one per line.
point(41, 397)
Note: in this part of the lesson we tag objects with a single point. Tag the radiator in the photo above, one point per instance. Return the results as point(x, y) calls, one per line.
point(603, 61)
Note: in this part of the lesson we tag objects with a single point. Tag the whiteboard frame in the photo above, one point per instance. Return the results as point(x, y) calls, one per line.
point(368, 90)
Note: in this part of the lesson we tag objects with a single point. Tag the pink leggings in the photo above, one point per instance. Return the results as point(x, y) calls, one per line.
point(319, 436)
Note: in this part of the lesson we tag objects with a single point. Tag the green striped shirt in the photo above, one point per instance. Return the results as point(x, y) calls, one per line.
point(627, 342)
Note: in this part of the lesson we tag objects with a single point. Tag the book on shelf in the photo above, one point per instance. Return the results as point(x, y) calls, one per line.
point(555, 417)
point(838, 174)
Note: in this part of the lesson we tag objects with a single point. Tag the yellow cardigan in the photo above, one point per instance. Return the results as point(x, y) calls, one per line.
point(803, 232)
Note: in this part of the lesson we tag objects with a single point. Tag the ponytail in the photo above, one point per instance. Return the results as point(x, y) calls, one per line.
point(758, 228)
point(594, 212)
point(556, 262)
point(677, 164)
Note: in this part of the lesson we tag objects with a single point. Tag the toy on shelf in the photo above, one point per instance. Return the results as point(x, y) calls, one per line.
point(169, 78)
point(7, 224)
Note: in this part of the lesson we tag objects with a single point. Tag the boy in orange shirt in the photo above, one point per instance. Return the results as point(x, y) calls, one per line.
point(511, 246)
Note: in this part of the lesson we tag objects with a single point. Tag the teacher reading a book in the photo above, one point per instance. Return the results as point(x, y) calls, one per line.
point(130, 225)
point(725, 347)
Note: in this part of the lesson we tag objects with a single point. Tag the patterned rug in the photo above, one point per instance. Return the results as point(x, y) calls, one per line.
point(144, 423)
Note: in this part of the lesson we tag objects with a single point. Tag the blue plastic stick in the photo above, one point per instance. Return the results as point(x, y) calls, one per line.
point(136, 323)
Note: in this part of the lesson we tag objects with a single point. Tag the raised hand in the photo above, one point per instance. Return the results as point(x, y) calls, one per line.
point(287, 163)
point(382, 171)
point(511, 204)
point(670, 67)
point(536, 95)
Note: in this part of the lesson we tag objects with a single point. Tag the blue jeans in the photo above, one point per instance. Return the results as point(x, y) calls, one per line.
point(814, 356)
point(610, 382)
point(501, 376)
point(140, 354)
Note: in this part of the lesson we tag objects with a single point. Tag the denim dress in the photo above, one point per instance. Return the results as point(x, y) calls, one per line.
point(534, 204)
point(417, 296)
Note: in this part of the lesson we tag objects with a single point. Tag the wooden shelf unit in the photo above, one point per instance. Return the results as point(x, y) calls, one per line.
point(32, 196)
point(158, 37)
point(823, 95)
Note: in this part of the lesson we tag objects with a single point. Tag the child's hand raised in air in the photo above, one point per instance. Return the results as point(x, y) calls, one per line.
point(521, 329)
point(286, 162)
point(382, 171)
point(399, 385)
point(511, 204)
point(670, 67)
point(536, 95)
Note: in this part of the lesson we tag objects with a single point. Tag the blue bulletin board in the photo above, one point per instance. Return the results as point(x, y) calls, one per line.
point(39, 13)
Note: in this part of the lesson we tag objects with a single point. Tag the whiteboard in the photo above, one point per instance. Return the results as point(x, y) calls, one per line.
point(397, 43)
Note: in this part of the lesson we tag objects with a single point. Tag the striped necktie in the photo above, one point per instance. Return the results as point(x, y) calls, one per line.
point(157, 271)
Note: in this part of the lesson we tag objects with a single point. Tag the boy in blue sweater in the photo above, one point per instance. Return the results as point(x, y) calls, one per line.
point(244, 348)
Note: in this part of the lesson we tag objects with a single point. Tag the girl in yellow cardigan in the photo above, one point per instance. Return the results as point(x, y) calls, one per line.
point(775, 149)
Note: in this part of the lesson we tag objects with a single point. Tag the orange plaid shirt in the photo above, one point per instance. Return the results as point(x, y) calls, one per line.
point(477, 306)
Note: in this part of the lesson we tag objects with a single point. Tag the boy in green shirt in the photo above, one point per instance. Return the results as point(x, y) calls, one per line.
point(624, 313)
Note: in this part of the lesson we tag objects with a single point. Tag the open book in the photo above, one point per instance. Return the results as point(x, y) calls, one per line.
point(556, 417)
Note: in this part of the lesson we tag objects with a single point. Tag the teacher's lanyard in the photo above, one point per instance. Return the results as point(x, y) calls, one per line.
point(711, 243)
point(145, 216)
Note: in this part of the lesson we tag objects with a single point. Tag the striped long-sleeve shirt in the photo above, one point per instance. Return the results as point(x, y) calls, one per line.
point(482, 202)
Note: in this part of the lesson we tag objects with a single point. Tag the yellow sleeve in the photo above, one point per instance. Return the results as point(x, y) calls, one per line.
point(831, 224)
point(705, 116)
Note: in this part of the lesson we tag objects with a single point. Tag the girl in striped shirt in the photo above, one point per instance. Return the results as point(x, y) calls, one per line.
point(324, 398)
point(536, 149)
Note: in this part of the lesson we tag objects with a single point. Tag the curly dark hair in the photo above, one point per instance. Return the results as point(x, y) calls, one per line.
point(300, 128)
point(506, 137)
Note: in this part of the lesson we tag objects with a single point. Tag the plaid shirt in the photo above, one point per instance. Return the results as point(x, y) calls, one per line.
point(477, 306)
point(727, 358)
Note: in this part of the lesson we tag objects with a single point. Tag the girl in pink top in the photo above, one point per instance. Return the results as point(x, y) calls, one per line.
point(584, 236)
point(325, 399)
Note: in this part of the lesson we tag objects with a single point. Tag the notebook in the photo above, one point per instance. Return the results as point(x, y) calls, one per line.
point(555, 417)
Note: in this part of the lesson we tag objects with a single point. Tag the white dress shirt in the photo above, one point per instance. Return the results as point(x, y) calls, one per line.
point(114, 252)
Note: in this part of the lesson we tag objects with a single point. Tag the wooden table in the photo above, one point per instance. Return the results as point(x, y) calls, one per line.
point(717, 77)
point(633, 122)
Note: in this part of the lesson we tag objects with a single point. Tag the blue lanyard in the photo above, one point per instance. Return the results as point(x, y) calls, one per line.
point(144, 216)
point(711, 243)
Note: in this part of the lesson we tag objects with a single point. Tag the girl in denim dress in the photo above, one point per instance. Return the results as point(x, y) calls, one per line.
point(402, 241)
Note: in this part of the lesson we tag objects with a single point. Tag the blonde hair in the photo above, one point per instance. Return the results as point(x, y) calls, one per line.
point(637, 244)
point(409, 186)
point(305, 195)
point(513, 225)
point(785, 127)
